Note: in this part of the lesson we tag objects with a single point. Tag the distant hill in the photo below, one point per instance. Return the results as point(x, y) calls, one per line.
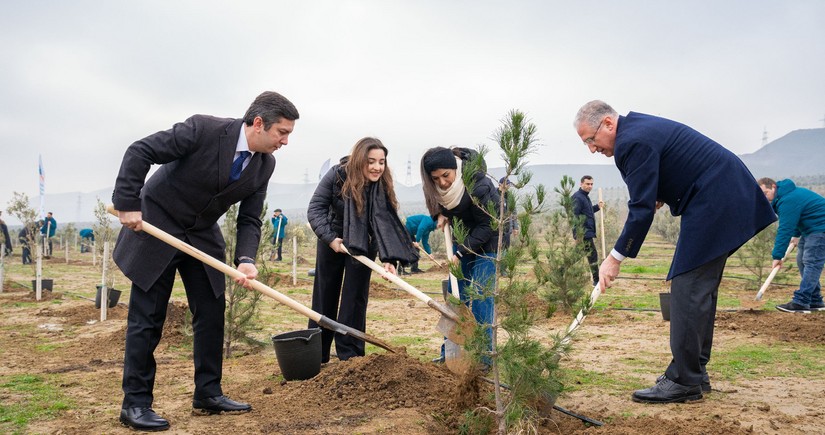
point(797, 154)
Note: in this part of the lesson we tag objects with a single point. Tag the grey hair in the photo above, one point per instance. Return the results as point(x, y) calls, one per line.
point(593, 112)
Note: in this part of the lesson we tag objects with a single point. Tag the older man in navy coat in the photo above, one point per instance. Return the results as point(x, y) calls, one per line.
point(207, 164)
point(721, 208)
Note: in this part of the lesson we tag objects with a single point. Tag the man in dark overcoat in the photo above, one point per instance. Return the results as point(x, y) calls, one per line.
point(207, 165)
point(721, 208)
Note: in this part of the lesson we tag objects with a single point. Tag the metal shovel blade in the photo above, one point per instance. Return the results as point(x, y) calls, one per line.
point(459, 325)
point(455, 358)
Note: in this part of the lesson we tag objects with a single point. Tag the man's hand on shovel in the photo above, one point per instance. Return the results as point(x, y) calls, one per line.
point(134, 221)
point(777, 264)
point(131, 219)
point(608, 272)
point(251, 273)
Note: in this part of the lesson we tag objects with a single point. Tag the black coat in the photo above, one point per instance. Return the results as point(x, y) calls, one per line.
point(481, 238)
point(379, 230)
point(187, 196)
point(326, 208)
point(583, 207)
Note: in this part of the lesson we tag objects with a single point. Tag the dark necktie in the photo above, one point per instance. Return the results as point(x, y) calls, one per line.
point(237, 166)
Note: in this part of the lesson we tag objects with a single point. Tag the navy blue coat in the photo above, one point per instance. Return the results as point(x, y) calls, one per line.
point(720, 204)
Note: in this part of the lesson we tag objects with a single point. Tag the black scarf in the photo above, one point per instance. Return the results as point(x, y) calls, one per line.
point(381, 221)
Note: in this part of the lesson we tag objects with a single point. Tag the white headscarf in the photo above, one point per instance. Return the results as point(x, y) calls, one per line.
point(451, 197)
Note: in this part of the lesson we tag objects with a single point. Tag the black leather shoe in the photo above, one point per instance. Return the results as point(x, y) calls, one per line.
point(219, 404)
point(143, 419)
point(667, 391)
point(705, 382)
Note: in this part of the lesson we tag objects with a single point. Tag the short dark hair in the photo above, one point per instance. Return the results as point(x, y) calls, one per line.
point(271, 107)
point(276, 210)
point(586, 177)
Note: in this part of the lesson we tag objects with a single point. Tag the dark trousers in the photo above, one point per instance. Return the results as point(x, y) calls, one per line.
point(147, 314)
point(27, 254)
point(340, 276)
point(47, 247)
point(692, 313)
point(592, 259)
point(278, 243)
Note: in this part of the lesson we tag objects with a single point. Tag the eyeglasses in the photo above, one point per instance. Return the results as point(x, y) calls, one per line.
point(591, 139)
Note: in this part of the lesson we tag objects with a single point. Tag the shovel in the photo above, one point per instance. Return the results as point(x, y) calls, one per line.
point(773, 274)
point(454, 357)
point(456, 323)
point(258, 286)
point(437, 263)
point(580, 317)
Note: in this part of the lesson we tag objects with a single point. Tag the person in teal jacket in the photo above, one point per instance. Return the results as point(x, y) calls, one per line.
point(48, 230)
point(420, 226)
point(279, 222)
point(801, 214)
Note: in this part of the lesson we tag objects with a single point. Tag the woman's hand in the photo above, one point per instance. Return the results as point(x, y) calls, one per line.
point(442, 220)
point(337, 245)
point(389, 268)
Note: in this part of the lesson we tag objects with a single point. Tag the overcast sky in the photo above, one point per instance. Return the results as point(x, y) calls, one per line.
point(82, 80)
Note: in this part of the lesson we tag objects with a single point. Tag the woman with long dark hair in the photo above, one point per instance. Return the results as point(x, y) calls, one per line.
point(443, 172)
point(354, 206)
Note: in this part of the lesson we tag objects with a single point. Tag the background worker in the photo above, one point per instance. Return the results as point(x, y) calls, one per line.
point(279, 221)
point(87, 238)
point(585, 229)
point(801, 214)
point(47, 230)
point(420, 226)
point(4, 233)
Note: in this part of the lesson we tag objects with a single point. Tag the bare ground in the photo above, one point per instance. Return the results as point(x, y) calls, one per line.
point(398, 393)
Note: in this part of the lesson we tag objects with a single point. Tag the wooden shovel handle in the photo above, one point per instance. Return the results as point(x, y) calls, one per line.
point(264, 289)
point(580, 317)
point(437, 263)
point(223, 267)
point(404, 285)
point(773, 273)
point(601, 220)
point(448, 242)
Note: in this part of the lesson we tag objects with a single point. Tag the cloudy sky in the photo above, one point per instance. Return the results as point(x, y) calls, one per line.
point(81, 80)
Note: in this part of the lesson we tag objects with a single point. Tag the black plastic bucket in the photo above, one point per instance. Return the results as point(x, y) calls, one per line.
point(664, 303)
point(298, 353)
point(114, 296)
point(46, 284)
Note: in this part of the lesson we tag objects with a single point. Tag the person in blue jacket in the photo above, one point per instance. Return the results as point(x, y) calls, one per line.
point(721, 208)
point(420, 226)
point(87, 237)
point(801, 215)
point(48, 230)
point(279, 222)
